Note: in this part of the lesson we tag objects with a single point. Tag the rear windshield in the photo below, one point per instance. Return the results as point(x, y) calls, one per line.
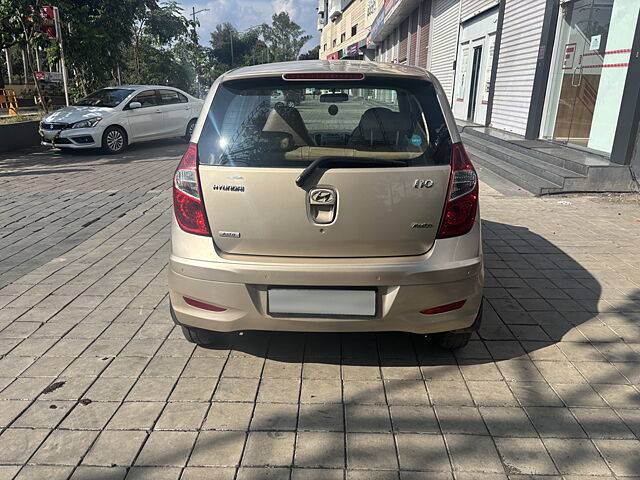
point(275, 123)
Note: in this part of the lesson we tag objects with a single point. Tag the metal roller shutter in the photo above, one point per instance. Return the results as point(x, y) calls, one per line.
point(425, 25)
point(471, 8)
point(519, 49)
point(413, 36)
point(404, 30)
point(445, 22)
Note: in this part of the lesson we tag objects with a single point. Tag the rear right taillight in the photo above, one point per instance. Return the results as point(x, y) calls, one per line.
point(462, 197)
point(187, 198)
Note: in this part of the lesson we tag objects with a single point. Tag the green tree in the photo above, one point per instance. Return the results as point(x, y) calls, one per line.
point(96, 33)
point(232, 48)
point(157, 25)
point(284, 38)
point(312, 54)
point(20, 25)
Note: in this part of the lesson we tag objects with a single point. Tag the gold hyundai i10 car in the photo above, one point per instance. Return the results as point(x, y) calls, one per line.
point(326, 196)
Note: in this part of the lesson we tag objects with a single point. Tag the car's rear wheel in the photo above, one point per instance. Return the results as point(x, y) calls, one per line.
point(452, 340)
point(198, 335)
point(114, 140)
point(190, 127)
point(458, 338)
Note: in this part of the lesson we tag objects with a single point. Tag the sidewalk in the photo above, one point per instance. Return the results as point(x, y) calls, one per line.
point(96, 381)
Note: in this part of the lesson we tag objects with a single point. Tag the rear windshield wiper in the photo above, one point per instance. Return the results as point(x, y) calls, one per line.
point(345, 162)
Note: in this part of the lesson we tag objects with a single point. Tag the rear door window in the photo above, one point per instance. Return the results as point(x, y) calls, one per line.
point(274, 123)
point(170, 97)
point(147, 98)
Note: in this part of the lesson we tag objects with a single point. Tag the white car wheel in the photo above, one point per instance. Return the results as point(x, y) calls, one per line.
point(114, 140)
point(190, 128)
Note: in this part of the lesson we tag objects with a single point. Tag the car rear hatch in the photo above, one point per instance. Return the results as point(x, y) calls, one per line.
point(375, 153)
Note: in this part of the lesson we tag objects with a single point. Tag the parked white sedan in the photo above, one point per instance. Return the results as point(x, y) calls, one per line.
point(114, 117)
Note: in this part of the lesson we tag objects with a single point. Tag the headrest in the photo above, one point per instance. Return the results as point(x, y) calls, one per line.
point(287, 120)
point(384, 120)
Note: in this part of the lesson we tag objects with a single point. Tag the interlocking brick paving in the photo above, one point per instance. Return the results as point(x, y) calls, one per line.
point(96, 381)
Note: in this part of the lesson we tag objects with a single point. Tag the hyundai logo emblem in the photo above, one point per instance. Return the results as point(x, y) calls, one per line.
point(322, 196)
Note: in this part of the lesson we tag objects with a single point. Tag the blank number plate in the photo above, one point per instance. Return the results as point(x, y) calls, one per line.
point(322, 302)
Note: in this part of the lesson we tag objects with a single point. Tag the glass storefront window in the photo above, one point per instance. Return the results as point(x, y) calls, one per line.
point(588, 73)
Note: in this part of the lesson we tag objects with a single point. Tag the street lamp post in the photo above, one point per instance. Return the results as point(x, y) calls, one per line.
point(195, 66)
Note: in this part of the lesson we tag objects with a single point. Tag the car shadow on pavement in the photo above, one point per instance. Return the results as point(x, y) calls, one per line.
point(37, 157)
point(535, 295)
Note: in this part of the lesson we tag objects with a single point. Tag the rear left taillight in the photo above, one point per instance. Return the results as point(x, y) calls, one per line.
point(187, 198)
point(462, 197)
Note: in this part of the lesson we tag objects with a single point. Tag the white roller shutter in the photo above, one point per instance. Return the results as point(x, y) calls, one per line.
point(519, 49)
point(445, 21)
point(471, 8)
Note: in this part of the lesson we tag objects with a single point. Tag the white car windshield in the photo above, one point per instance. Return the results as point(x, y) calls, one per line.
point(107, 97)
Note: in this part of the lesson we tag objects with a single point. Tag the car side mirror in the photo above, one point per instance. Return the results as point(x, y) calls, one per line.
point(134, 105)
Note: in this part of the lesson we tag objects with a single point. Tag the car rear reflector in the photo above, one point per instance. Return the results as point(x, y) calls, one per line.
point(444, 308)
point(323, 76)
point(202, 305)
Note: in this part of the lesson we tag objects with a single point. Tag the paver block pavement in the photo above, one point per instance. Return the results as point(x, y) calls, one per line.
point(548, 388)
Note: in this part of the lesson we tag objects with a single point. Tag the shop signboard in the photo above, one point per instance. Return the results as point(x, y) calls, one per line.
point(48, 23)
point(376, 27)
point(55, 77)
point(389, 7)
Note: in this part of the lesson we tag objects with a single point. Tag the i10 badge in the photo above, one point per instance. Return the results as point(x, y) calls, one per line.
point(419, 183)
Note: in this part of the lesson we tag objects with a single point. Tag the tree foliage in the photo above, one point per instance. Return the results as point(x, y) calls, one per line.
point(312, 54)
point(145, 42)
point(284, 37)
point(20, 25)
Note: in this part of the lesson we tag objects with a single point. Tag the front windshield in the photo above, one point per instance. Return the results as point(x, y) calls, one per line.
point(275, 123)
point(107, 97)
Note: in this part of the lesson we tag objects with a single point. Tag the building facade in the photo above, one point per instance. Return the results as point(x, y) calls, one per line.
point(566, 71)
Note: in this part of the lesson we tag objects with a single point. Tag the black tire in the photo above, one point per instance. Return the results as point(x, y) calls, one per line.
point(456, 338)
point(198, 336)
point(114, 140)
point(189, 131)
point(452, 340)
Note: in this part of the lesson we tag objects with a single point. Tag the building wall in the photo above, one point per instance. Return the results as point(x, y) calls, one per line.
point(635, 158)
point(471, 8)
point(518, 56)
point(414, 20)
point(423, 33)
point(360, 13)
point(408, 41)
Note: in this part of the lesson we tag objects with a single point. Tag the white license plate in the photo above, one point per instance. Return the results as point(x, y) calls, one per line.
point(322, 302)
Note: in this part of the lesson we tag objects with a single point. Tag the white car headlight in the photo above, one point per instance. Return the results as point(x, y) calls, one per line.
point(88, 123)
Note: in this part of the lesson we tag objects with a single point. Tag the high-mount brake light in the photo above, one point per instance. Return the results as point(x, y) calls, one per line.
point(462, 196)
point(187, 200)
point(323, 76)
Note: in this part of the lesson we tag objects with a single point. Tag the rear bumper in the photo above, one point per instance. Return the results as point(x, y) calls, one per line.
point(399, 308)
point(451, 271)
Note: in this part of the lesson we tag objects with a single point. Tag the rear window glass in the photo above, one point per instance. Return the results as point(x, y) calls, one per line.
point(169, 97)
point(275, 123)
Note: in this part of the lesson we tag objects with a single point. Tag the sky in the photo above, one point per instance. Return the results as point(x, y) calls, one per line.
point(247, 13)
